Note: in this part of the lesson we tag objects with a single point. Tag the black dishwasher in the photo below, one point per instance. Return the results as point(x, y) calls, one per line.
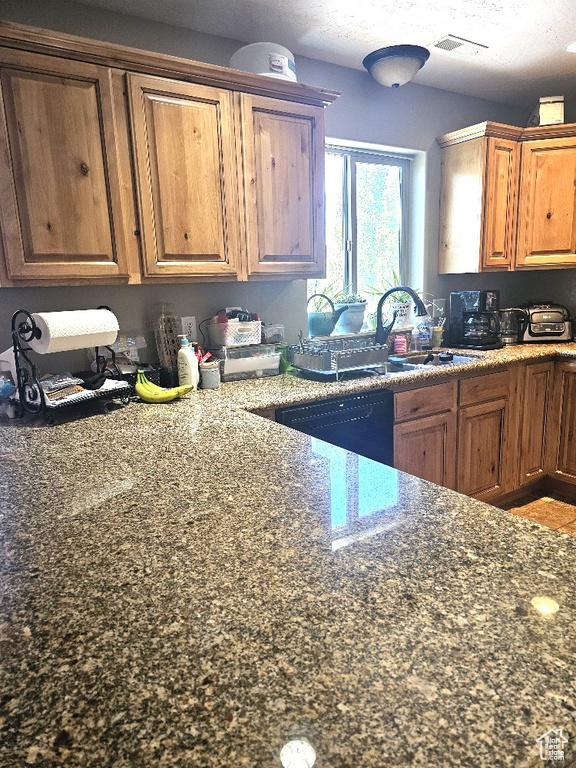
point(360, 423)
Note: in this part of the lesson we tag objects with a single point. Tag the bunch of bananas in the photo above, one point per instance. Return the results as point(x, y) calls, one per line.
point(152, 393)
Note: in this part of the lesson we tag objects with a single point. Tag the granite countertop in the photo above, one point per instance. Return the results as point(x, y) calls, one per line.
point(287, 389)
point(192, 585)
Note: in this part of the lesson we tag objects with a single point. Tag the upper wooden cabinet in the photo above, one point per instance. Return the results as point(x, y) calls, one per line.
point(508, 198)
point(478, 199)
point(283, 173)
point(64, 169)
point(186, 178)
point(226, 167)
point(547, 212)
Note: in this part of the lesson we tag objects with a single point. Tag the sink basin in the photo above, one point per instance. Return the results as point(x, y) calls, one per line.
point(424, 359)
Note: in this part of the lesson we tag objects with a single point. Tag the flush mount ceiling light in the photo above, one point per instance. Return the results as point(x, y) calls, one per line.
point(397, 64)
point(571, 48)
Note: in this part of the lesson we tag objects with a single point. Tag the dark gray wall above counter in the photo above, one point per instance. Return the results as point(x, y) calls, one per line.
point(410, 117)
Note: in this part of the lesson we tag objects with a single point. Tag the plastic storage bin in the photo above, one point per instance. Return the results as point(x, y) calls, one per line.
point(272, 334)
point(234, 333)
point(248, 362)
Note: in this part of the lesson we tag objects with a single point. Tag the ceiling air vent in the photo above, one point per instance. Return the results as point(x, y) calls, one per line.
point(453, 44)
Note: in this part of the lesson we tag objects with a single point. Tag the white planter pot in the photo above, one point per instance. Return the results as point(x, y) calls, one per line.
point(352, 319)
point(402, 309)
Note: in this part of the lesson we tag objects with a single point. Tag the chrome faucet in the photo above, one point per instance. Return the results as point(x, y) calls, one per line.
point(382, 332)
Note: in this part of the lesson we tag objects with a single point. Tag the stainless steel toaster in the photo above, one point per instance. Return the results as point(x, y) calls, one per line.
point(546, 321)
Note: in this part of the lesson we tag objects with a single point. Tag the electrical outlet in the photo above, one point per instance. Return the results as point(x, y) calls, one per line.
point(189, 327)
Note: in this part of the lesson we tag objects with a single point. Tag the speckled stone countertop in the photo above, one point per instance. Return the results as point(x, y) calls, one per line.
point(191, 585)
point(286, 389)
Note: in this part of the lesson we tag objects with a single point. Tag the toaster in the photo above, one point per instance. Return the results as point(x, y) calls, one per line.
point(546, 321)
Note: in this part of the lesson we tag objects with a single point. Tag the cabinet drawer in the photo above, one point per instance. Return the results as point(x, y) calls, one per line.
point(483, 388)
point(425, 401)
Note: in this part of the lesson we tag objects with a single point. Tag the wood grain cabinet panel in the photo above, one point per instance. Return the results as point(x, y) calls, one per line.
point(482, 449)
point(425, 401)
point(426, 447)
point(562, 436)
point(478, 197)
point(490, 386)
point(500, 193)
point(283, 173)
point(183, 136)
point(533, 428)
point(64, 169)
point(547, 211)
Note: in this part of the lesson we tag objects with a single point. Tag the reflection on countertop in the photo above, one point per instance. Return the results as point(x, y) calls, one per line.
point(193, 585)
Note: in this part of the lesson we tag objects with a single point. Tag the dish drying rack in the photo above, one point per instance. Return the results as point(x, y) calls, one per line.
point(336, 355)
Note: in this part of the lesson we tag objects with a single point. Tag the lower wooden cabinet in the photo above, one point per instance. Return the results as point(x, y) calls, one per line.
point(456, 434)
point(561, 434)
point(482, 449)
point(425, 432)
point(426, 448)
point(536, 392)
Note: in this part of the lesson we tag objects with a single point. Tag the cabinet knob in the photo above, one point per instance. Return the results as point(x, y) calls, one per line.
point(84, 169)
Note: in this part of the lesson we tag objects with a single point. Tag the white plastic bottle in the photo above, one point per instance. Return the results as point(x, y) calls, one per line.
point(188, 372)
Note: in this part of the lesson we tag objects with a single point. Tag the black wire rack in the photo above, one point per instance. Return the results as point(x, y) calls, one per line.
point(29, 397)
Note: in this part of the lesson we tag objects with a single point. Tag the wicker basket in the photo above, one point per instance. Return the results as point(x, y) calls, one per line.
point(234, 334)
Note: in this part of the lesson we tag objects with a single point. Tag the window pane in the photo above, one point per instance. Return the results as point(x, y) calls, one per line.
point(334, 228)
point(378, 220)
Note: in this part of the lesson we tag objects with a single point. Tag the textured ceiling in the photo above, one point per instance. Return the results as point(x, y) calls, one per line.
point(526, 39)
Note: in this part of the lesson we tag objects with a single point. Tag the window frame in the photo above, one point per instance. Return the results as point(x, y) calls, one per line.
point(352, 155)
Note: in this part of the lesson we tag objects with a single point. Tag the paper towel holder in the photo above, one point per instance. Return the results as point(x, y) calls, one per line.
point(31, 398)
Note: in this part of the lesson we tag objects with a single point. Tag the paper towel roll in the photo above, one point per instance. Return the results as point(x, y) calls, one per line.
point(63, 331)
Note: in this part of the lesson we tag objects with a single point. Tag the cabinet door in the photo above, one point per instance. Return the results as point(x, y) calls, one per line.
point(563, 423)
point(427, 448)
point(482, 449)
point(500, 204)
point(536, 393)
point(183, 138)
point(64, 172)
point(283, 145)
point(547, 210)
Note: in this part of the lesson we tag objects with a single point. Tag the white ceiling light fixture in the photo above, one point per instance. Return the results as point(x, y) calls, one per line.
point(571, 48)
point(396, 65)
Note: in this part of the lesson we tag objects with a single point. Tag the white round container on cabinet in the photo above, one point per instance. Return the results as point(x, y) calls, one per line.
point(268, 59)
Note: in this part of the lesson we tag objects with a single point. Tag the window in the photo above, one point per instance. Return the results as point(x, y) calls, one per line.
point(366, 192)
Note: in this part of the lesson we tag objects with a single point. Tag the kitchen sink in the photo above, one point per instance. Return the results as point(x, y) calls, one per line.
point(424, 359)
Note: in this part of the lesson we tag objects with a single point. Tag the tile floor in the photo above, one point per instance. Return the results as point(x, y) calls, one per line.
point(553, 510)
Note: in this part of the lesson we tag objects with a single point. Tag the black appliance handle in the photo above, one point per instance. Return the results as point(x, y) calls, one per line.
point(336, 417)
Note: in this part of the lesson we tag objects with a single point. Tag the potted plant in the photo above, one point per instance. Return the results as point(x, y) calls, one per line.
point(399, 302)
point(352, 319)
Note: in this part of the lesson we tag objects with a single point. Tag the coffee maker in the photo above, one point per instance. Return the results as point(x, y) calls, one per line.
point(474, 322)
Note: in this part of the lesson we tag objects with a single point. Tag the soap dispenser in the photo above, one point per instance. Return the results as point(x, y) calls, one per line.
point(188, 372)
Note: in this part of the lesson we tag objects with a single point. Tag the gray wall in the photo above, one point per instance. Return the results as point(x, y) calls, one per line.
point(410, 118)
